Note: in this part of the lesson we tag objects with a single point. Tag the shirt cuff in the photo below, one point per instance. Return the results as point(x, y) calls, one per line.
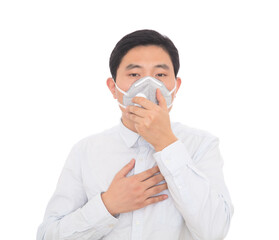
point(97, 215)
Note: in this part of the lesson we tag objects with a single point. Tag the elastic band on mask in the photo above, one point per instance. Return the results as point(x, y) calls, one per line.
point(173, 88)
point(120, 104)
point(120, 90)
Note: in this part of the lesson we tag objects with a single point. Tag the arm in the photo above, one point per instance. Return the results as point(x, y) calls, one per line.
point(196, 182)
point(198, 188)
point(69, 214)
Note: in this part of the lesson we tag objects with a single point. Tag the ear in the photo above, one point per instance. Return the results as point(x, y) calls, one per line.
point(178, 83)
point(111, 86)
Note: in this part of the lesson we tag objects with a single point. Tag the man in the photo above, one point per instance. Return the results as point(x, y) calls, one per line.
point(146, 178)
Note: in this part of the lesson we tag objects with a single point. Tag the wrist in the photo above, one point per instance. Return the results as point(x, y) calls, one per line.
point(107, 204)
point(164, 143)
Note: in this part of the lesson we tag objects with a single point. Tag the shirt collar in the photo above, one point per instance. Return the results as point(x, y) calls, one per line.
point(130, 137)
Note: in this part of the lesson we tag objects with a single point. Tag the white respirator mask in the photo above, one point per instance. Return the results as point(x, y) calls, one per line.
point(146, 87)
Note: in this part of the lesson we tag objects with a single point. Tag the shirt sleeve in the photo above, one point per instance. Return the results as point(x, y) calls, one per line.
point(69, 214)
point(197, 187)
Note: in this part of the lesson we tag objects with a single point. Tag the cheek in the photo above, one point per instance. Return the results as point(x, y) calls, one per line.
point(125, 82)
point(119, 96)
point(169, 83)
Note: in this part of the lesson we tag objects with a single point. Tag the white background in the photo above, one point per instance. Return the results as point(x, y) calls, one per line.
point(53, 69)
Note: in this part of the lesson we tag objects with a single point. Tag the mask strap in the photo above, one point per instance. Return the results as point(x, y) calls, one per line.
point(173, 88)
point(120, 90)
point(120, 104)
point(171, 93)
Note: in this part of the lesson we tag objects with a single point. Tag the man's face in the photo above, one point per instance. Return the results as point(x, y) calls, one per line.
point(140, 62)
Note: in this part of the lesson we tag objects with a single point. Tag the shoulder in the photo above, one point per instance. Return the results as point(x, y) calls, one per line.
point(97, 139)
point(195, 139)
point(184, 131)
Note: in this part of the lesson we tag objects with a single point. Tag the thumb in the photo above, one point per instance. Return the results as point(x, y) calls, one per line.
point(126, 169)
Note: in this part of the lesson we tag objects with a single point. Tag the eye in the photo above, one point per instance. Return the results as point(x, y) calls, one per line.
point(134, 75)
point(161, 75)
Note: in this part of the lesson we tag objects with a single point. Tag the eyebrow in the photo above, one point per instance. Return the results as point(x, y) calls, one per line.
point(164, 66)
point(132, 66)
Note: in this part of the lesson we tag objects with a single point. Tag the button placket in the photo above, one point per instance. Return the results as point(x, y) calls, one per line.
point(137, 223)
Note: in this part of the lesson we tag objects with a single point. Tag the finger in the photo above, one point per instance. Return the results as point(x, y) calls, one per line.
point(134, 117)
point(147, 104)
point(153, 180)
point(161, 99)
point(141, 112)
point(126, 169)
point(155, 190)
point(156, 199)
point(147, 174)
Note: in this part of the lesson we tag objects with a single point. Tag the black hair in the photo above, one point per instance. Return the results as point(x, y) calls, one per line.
point(142, 38)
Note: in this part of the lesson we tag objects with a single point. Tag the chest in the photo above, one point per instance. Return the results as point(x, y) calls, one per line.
point(100, 166)
point(99, 169)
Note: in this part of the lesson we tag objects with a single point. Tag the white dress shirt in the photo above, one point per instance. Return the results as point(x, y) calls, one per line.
point(198, 207)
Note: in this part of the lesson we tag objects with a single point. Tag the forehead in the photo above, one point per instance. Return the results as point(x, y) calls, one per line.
point(146, 55)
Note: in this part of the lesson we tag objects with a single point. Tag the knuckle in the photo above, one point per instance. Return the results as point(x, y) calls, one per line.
point(151, 200)
point(158, 189)
point(147, 122)
point(155, 180)
point(156, 199)
point(157, 109)
point(154, 191)
point(139, 204)
point(151, 117)
point(162, 187)
point(162, 198)
point(136, 202)
point(159, 176)
point(139, 201)
point(137, 189)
